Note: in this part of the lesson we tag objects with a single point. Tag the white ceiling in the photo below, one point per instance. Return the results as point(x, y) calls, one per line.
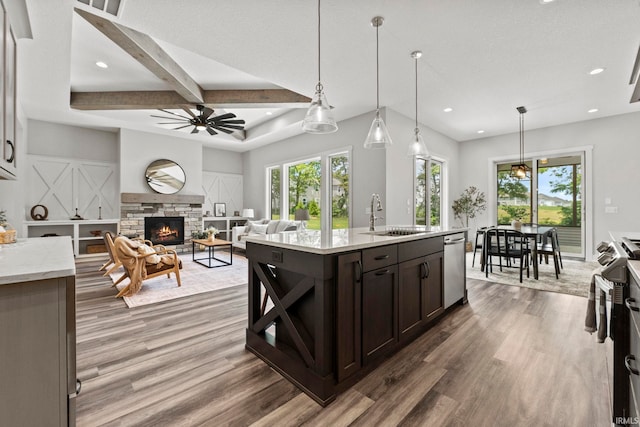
point(481, 58)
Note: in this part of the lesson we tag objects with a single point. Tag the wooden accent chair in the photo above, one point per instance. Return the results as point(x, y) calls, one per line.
point(113, 258)
point(142, 266)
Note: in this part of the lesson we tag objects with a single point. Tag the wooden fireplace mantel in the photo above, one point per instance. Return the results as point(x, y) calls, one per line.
point(193, 199)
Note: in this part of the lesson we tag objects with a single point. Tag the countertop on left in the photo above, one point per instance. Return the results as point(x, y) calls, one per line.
point(36, 258)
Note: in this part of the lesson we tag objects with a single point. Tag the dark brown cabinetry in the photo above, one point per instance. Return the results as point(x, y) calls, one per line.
point(420, 286)
point(632, 361)
point(338, 315)
point(379, 312)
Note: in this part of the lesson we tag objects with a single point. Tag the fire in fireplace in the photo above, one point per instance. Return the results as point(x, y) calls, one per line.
point(164, 230)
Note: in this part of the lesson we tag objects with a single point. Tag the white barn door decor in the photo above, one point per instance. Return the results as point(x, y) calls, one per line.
point(222, 188)
point(63, 184)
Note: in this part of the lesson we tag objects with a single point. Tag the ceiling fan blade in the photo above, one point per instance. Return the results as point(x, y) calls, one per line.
point(174, 114)
point(225, 116)
point(231, 122)
point(206, 112)
point(230, 126)
point(169, 118)
point(182, 127)
point(195, 129)
point(171, 123)
point(227, 131)
point(189, 112)
point(211, 131)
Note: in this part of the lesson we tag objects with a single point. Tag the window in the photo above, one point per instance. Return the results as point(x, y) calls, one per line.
point(428, 192)
point(273, 176)
point(304, 190)
point(320, 184)
point(340, 191)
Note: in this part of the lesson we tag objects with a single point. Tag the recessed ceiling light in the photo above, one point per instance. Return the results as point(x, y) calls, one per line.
point(102, 64)
point(546, 1)
point(268, 113)
point(596, 71)
point(593, 110)
point(480, 131)
point(448, 110)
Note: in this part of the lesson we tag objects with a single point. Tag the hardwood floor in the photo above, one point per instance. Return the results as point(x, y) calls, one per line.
point(511, 357)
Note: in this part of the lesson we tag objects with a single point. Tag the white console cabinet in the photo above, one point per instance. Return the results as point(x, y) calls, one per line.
point(223, 223)
point(84, 242)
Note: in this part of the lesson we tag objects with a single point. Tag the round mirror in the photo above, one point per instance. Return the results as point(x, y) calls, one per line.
point(165, 176)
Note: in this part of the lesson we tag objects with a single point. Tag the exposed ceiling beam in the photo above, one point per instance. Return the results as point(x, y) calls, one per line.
point(146, 51)
point(153, 100)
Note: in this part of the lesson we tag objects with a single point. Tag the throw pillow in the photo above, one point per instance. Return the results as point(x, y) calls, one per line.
point(284, 226)
point(145, 249)
point(271, 227)
point(259, 229)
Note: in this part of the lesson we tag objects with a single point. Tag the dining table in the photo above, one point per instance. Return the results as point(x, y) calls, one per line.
point(533, 232)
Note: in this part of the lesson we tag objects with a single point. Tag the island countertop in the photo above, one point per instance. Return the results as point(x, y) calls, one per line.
point(35, 259)
point(343, 240)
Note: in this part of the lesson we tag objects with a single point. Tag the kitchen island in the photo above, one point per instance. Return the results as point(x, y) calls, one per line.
point(326, 308)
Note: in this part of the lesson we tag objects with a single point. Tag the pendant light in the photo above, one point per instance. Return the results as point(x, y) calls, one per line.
point(417, 146)
point(378, 136)
point(319, 118)
point(521, 170)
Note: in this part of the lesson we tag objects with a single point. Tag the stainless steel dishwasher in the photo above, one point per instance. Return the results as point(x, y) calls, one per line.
point(454, 265)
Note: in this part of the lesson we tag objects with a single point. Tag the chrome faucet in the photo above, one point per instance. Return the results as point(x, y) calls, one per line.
point(375, 198)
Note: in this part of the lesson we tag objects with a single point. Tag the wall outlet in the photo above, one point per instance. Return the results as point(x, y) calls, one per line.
point(610, 209)
point(276, 256)
point(607, 200)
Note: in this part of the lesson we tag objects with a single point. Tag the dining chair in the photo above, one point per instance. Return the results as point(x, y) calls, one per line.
point(549, 246)
point(478, 244)
point(507, 245)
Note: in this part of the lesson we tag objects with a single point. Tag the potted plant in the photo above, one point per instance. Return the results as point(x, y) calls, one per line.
point(212, 232)
point(471, 202)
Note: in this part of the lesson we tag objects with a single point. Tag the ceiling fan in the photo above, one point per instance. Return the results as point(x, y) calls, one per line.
point(203, 120)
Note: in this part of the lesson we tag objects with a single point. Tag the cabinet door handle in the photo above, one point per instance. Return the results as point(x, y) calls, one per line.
point(627, 364)
point(427, 270)
point(359, 276)
point(628, 302)
point(381, 257)
point(383, 272)
point(13, 152)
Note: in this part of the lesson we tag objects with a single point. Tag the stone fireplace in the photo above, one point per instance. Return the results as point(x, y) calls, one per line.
point(164, 230)
point(135, 207)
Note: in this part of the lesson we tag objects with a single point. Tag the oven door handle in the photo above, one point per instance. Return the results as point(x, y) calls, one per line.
point(627, 364)
point(628, 302)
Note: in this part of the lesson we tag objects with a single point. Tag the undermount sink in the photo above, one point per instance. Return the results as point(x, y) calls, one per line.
point(398, 231)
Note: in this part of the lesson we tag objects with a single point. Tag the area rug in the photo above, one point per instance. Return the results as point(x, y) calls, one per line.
point(195, 279)
point(574, 278)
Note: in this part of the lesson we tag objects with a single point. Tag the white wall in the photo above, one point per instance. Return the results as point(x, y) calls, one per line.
point(58, 140)
point(224, 161)
point(368, 166)
point(616, 173)
point(400, 169)
point(139, 149)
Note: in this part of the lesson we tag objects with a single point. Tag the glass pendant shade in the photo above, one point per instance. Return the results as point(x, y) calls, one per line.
point(521, 170)
point(417, 146)
point(378, 136)
point(319, 118)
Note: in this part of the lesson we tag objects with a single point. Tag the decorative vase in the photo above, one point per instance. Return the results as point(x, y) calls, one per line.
point(468, 246)
point(212, 237)
point(517, 224)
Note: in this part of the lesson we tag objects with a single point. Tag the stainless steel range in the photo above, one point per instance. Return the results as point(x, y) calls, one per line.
point(614, 280)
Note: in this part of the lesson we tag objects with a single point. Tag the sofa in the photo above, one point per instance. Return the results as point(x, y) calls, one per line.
point(262, 226)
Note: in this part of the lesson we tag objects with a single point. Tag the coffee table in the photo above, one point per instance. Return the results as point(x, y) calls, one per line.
point(211, 247)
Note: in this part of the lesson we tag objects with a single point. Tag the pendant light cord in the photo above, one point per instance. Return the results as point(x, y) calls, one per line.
point(319, 84)
point(377, 72)
point(522, 138)
point(416, 63)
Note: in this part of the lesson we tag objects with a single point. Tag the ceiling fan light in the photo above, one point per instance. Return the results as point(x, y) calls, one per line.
point(201, 126)
point(319, 118)
point(378, 136)
point(418, 148)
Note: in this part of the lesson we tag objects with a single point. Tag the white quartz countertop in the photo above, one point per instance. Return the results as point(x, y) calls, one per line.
point(316, 241)
point(35, 259)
